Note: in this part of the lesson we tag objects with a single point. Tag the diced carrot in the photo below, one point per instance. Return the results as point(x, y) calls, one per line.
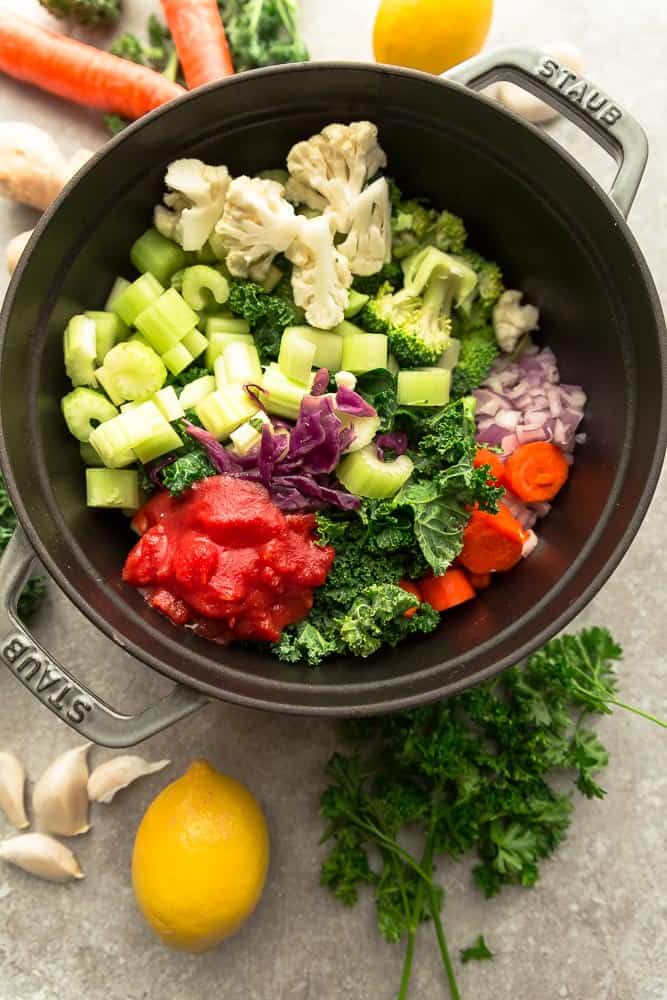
point(490, 458)
point(411, 588)
point(200, 40)
point(479, 581)
point(446, 591)
point(536, 472)
point(492, 542)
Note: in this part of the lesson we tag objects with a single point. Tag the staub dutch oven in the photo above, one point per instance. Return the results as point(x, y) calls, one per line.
point(560, 237)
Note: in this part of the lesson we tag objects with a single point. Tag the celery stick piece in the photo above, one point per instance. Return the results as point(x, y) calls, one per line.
point(296, 358)
point(160, 256)
point(225, 410)
point(365, 429)
point(281, 395)
point(450, 358)
point(110, 442)
point(80, 344)
point(220, 372)
point(114, 488)
point(364, 352)
point(272, 278)
point(137, 297)
point(423, 386)
point(366, 475)
point(223, 324)
point(392, 365)
point(169, 404)
point(89, 456)
point(131, 371)
point(355, 304)
point(177, 359)
point(347, 329)
point(195, 342)
point(328, 345)
point(205, 255)
point(241, 363)
point(249, 434)
point(217, 246)
point(277, 174)
point(194, 392)
point(204, 287)
point(138, 338)
point(118, 287)
point(218, 341)
point(109, 331)
point(166, 321)
point(81, 406)
point(148, 433)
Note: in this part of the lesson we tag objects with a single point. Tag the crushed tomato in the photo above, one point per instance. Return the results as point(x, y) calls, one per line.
point(225, 561)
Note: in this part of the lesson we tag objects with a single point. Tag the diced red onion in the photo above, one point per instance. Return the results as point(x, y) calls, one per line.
point(508, 419)
point(509, 443)
point(529, 544)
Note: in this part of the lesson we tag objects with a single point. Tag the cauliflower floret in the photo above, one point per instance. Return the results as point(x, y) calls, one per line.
point(330, 169)
point(511, 320)
point(321, 275)
point(194, 204)
point(257, 223)
point(368, 243)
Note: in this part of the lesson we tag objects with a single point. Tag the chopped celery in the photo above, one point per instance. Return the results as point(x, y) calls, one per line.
point(194, 392)
point(366, 475)
point(365, 429)
point(160, 256)
point(281, 395)
point(195, 342)
point(109, 331)
point(118, 287)
point(249, 434)
point(328, 346)
point(81, 406)
point(80, 345)
point(218, 341)
point(148, 433)
point(241, 363)
point(204, 286)
point(225, 410)
point(272, 278)
point(217, 245)
point(89, 456)
point(177, 359)
point(347, 329)
point(110, 442)
point(115, 488)
point(137, 297)
point(131, 371)
point(220, 372)
point(166, 321)
point(423, 386)
point(297, 357)
point(224, 324)
point(355, 304)
point(205, 255)
point(363, 352)
point(392, 365)
point(169, 404)
point(276, 174)
point(450, 358)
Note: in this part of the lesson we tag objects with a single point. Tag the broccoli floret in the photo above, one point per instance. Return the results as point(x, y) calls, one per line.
point(478, 352)
point(88, 12)
point(390, 274)
point(489, 278)
point(415, 225)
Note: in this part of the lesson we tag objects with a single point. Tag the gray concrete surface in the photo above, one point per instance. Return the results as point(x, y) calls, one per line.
point(595, 926)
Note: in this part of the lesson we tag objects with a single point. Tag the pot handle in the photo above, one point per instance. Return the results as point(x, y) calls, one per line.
point(56, 687)
point(576, 98)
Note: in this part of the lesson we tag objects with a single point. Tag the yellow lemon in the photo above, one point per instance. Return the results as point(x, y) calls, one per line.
point(200, 859)
point(431, 35)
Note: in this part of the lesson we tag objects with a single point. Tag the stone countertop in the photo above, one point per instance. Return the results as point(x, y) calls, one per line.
point(594, 928)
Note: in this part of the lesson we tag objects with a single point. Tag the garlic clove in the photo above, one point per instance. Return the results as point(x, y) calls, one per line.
point(12, 787)
point(527, 105)
point(32, 168)
point(42, 856)
point(15, 248)
point(117, 773)
point(60, 798)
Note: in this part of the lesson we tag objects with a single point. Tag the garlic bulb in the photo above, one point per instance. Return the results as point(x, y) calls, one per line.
point(12, 785)
point(527, 105)
point(117, 773)
point(15, 248)
point(42, 856)
point(60, 798)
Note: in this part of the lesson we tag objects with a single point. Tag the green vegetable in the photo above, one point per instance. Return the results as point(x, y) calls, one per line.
point(390, 274)
point(226, 409)
point(110, 442)
point(80, 348)
point(262, 32)
point(363, 627)
point(190, 466)
point(159, 54)
point(160, 256)
point(109, 331)
point(204, 287)
point(477, 952)
point(363, 352)
point(478, 352)
point(267, 313)
point(415, 225)
point(356, 303)
point(489, 278)
point(131, 371)
point(166, 321)
point(378, 388)
point(91, 13)
point(328, 345)
point(35, 589)
point(112, 488)
point(423, 386)
point(366, 475)
point(177, 358)
point(187, 376)
point(296, 358)
point(131, 300)
point(83, 409)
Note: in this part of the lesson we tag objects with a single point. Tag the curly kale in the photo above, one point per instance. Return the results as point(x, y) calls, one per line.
point(91, 13)
point(268, 313)
point(263, 32)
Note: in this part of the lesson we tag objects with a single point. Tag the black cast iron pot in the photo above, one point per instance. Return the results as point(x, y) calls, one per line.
point(528, 204)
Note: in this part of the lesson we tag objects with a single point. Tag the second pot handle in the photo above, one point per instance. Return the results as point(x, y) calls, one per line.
point(575, 98)
point(56, 688)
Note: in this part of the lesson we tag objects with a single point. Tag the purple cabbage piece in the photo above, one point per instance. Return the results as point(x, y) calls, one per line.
point(316, 438)
point(320, 382)
point(396, 442)
point(221, 459)
point(319, 492)
point(349, 401)
point(155, 468)
point(272, 448)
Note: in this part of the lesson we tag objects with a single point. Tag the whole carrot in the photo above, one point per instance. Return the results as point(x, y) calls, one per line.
point(200, 40)
point(80, 72)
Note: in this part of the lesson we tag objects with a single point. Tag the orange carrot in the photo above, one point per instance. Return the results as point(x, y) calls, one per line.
point(492, 542)
point(446, 591)
point(200, 40)
point(486, 457)
point(411, 588)
point(479, 581)
point(536, 472)
point(80, 72)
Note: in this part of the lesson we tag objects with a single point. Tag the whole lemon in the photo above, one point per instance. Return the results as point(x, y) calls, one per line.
point(200, 859)
point(431, 35)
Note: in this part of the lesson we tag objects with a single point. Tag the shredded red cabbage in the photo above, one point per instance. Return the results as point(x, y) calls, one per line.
point(349, 401)
point(316, 438)
point(396, 442)
point(155, 468)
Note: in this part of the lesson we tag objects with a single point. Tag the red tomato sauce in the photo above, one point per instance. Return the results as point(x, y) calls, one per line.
point(222, 559)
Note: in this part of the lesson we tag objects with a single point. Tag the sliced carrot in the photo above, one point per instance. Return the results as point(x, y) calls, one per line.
point(536, 472)
point(490, 458)
point(446, 591)
point(411, 588)
point(492, 542)
point(80, 72)
point(479, 581)
point(200, 40)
